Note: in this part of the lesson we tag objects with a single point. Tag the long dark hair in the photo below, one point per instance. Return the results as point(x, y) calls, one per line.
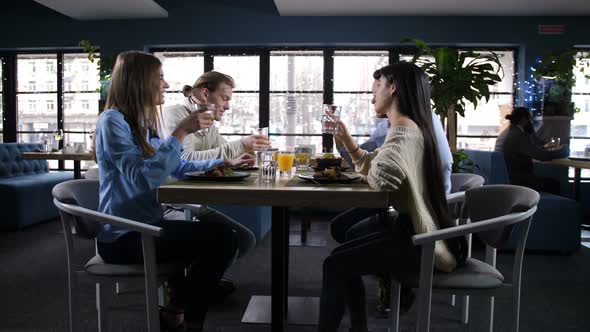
point(413, 100)
point(521, 113)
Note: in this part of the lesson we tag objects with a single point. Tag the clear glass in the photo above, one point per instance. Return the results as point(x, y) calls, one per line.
point(283, 142)
point(302, 158)
point(181, 68)
point(80, 74)
point(353, 70)
point(267, 166)
point(245, 70)
point(296, 71)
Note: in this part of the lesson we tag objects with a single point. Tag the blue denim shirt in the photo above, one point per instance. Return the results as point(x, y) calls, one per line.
point(128, 180)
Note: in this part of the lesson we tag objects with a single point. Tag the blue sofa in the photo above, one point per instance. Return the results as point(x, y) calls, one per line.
point(25, 187)
point(556, 224)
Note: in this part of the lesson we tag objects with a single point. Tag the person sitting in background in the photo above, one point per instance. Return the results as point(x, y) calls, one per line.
point(520, 145)
point(408, 166)
point(210, 88)
point(133, 163)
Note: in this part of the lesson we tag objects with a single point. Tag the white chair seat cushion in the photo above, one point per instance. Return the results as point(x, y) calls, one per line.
point(473, 274)
point(97, 266)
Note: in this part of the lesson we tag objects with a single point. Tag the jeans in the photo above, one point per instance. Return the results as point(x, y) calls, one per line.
point(390, 250)
point(205, 248)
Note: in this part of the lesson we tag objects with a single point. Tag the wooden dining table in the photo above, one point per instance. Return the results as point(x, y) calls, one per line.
point(578, 165)
point(280, 195)
point(59, 155)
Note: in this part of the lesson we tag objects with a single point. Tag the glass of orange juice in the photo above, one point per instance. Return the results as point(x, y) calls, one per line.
point(285, 160)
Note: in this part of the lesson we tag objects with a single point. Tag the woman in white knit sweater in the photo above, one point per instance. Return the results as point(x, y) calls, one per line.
point(408, 165)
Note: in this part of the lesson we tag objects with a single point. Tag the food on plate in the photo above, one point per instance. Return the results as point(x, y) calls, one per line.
point(331, 173)
point(218, 172)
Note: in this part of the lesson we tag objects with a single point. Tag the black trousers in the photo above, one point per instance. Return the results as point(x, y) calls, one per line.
point(207, 249)
point(390, 250)
point(354, 223)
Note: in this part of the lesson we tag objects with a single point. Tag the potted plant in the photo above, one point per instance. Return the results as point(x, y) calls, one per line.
point(554, 78)
point(456, 78)
point(105, 68)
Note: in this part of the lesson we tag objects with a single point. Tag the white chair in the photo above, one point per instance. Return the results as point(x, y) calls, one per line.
point(77, 201)
point(494, 212)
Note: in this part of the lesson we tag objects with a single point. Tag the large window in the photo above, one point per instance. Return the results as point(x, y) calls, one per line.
point(580, 125)
point(480, 127)
point(1, 103)
point(56, 91)
point(296, 98)
point(81, 96)
point(291, 84)
point(243, 115)
point(35, 120)
point(180, 69)
point(353, 80)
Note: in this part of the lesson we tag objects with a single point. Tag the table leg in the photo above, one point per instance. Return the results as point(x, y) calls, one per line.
point(577, 181)
point(77, 170)
point(279, 281)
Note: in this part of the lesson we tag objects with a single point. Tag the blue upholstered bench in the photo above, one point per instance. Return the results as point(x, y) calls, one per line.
point(25, 187)
point(556, 224)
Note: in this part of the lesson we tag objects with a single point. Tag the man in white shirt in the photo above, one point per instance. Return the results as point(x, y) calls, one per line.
point(210, 88)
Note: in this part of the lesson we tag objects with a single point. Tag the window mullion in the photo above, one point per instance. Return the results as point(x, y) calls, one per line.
point(264, 93)
point(60, 109)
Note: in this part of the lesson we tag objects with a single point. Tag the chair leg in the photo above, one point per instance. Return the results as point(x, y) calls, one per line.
point(73, 303)
point(491, 259)
point(516, 307)
point(465, 309)
point(425, 290)
point(104, 296)
point(395, 304)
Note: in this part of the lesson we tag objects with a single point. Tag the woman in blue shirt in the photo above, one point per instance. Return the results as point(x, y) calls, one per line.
point(133, 162)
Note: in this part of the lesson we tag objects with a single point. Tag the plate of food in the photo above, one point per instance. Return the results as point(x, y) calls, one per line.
point(328, 160)
point(217, 174)
point(329, 175)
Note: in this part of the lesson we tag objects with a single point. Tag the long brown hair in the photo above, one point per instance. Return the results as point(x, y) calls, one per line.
point(134, 91)
point(413, 99)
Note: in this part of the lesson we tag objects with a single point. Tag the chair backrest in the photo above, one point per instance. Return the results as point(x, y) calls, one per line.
point(464, 181)
point(487, 202)
point(83, 193)
point(490, 165)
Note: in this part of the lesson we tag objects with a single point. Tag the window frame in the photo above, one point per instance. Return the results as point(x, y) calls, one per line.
point(10, 93)
point(328, 90)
